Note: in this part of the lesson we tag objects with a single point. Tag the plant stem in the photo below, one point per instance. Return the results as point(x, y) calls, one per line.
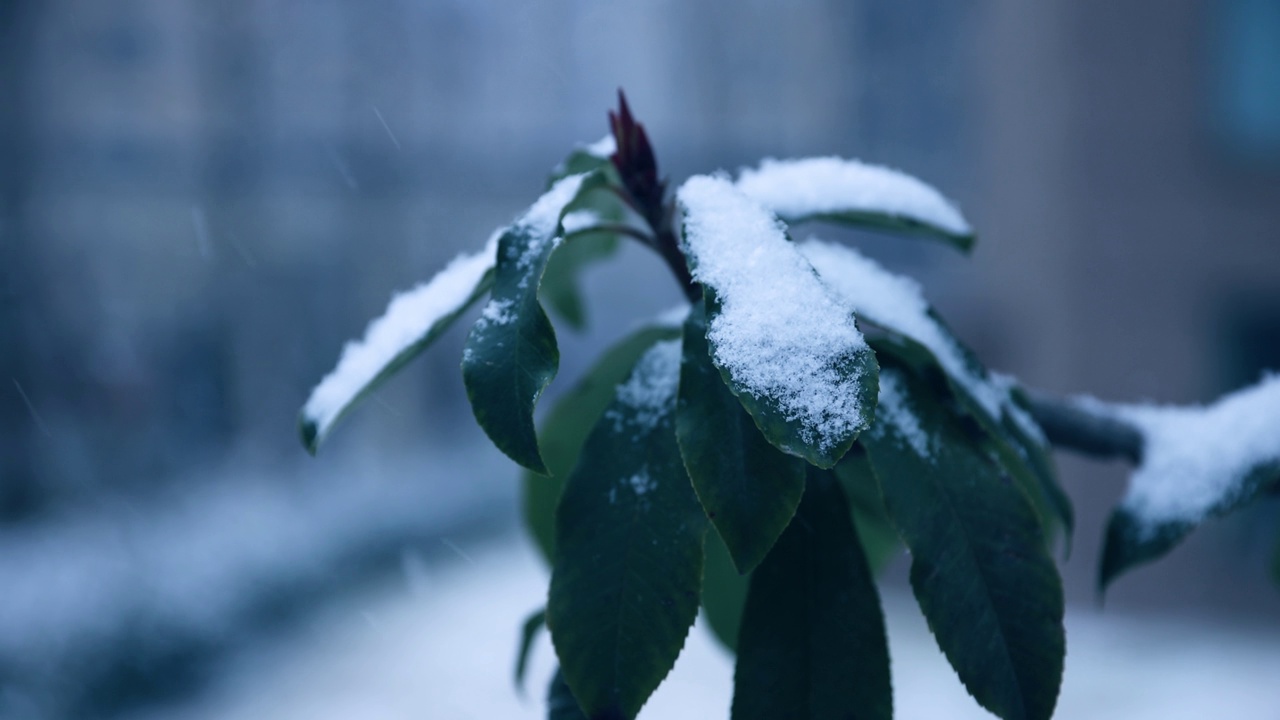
point(1070, 426)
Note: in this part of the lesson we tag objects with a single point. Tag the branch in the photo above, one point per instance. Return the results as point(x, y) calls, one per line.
point(1072, 426)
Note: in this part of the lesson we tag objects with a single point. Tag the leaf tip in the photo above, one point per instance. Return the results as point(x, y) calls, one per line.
point(309, 431)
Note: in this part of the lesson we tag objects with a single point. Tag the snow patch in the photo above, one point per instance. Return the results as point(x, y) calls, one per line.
point(829, 185)
point(580, 220)
point(650, 393)
point(603, 148)
point(780, 332)
point(641, 482)
point(1195, 459)
point(898, 303)
point(892, 406)
point(408, 318)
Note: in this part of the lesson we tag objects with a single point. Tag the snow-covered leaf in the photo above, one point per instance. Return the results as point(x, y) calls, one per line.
point(511, 354)
point(585, 158)
point(897, 304)
point(1197, 463)
point(855, 193)
point(786, 345)
point(412, 321)
point(629, 548)
point(749, 488)
point(567, 426)
point(812, 643)
point(980, 569)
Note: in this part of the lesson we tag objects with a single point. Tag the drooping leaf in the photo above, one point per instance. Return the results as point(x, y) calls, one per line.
point(787, 346)
point(724, 592)
point(629, 548)
point(561, 704)
point(749, 488)
point(1002, 440)
point(412, 321)
point(876, 533)
point(567, 426)
point(1197, 463)
point(511, 354)
point(917, 335)
point(528, 633)
point(1132, 539)
point(812, 644)
point(849, 192)
point(980, 568)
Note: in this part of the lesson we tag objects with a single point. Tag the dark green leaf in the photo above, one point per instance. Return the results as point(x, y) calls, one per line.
point(560, 283)
point(980, 568)
point(890, 223)
point(812, 645)
point(875, 532)
point(1130, 542)
point(561, 704)
point(567, 426)
point(724, 592)
point(629, 548)
point(1025, 460)
point(528, 633)
point(330, 403)
point(511, 355)
point(748, 488)
point(781, 426)
point(1275, 564)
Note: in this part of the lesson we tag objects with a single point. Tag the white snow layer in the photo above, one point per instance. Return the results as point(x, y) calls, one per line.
point(1195, 459)
point(651, 390)
point(828, 185)
point(897, 303)
point(413, 313)
point(780, 331)
point(893, 406)
point(602, 148)
point(409, 316)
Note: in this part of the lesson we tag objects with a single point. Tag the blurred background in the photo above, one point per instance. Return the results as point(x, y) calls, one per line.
point(200, 202)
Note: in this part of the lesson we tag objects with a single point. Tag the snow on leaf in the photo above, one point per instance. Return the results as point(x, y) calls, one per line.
point(648, 395)
point(897, 302)
point(1196, 460)
point(775, 330)
point(411, 321)
point(893, 406)
point(832, 187)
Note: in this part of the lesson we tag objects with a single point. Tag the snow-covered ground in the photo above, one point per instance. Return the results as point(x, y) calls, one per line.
point(438, 642)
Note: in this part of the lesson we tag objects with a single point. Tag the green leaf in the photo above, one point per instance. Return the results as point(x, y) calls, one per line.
point(876, 533)
point(813, 644)
point(1130, 541)
point(629, 548)
point(1275, 564)
point(560, 282)
point(848, 192)
point(980, 567)
point(585, 159)
point(748, 488)
point(1023, 458)
point(528, 633)
point(413, 320)
point(787, 346)
point(777, 419)
point(511, 354)
point(566, 427)
point(561, 704)
point(724, 592)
